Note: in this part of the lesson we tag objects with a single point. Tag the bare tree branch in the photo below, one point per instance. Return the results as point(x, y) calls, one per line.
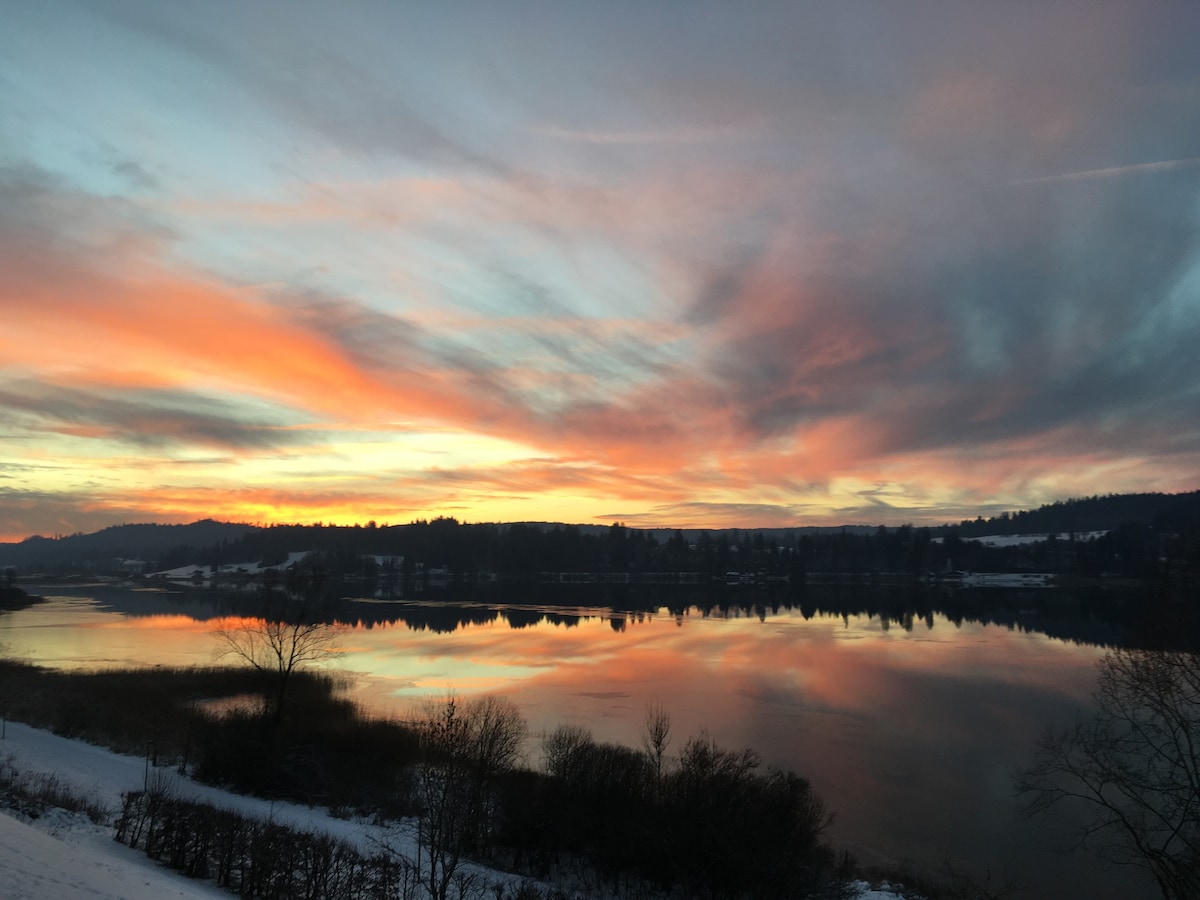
point(284, 638)
point(1133, 767)
point(465, 746)
point(656, 736)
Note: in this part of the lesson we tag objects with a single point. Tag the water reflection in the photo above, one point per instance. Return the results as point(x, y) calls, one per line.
point(1085, 616)
point(908, 709)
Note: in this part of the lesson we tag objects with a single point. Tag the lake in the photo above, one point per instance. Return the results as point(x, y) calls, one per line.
point(909, 709)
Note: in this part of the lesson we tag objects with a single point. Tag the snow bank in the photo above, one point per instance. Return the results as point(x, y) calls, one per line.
point(101, 775)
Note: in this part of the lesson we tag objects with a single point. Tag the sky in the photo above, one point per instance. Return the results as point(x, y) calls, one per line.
point(681, 264)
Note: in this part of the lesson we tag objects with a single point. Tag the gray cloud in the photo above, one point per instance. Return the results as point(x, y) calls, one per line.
point(135, 174)
point(32, 512)
point(153, 419)
point(766, 515)
point(582, 362)
point(959, 265)
point(1057, 305)
point(367, 91)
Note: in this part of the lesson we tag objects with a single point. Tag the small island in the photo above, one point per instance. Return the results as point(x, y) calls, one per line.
point(12, 598)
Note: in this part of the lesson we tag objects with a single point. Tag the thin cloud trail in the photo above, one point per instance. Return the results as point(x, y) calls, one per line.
point(1167, 165)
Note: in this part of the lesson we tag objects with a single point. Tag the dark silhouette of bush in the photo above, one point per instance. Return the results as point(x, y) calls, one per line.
point(714, 826)
point(713, 823)
point(333, 754)
point(735, 831)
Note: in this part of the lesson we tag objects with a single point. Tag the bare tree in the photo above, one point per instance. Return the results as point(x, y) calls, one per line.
point(441, 792)
point(564, 750)
point(465, 747)
point(284, 638)
point(656, 735)
point(1133, 767)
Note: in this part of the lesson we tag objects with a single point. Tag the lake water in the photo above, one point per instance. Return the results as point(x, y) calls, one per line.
point(908, 710)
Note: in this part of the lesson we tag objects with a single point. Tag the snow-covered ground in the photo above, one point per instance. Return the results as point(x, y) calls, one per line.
point(188, 572)
point(101, 775)
point(1007, 579)
point(77, 862)
point(1018, 540)
point(63, 856)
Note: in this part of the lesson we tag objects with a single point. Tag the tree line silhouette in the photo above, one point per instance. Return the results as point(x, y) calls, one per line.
point(445, 548)
point(1132, 535)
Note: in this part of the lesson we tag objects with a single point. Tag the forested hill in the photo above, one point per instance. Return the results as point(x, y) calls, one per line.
point(101, 549)
point(1164, 512)
point(1147, 534)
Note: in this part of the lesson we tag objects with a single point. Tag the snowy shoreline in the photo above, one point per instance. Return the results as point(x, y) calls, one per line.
point(63, 856)
point(80, 860)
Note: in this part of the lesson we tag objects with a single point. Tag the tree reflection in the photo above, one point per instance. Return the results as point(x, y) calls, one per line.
point(1084, 616)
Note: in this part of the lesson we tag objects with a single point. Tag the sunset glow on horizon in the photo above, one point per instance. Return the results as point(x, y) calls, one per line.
point(674, 265)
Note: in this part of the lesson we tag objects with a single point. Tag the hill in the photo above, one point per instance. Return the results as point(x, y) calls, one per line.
point(104, 549)
point(1165, 512)
point(1140, 531)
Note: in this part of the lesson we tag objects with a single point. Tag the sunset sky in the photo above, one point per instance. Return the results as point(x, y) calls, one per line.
point(668, 263)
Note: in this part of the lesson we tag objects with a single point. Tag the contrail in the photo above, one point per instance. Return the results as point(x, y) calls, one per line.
point(625, 137)
point(1165, 165)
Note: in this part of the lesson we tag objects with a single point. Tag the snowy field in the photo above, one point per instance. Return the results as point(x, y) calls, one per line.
point(63, 856)
point(1020, 540)
point(1016, 540)
point(192, 571)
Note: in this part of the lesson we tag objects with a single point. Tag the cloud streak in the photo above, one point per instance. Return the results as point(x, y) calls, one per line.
point(771, 267)
point(1150, 168)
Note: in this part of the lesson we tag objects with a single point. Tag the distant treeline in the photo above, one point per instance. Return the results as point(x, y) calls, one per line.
point(1163, 546)
point(1144, 536)
point(1164, 512)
